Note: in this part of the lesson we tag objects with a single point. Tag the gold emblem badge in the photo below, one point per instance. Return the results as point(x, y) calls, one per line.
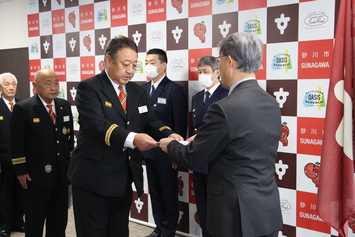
point(65, 130)
point(48, 168)
point(108, 104)
point(35, 120)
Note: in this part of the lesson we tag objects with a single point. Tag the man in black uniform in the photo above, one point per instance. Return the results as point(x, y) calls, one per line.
point(11, 192)
point(41, 141)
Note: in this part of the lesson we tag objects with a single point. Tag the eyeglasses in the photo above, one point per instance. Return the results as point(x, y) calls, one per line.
point(218, 59)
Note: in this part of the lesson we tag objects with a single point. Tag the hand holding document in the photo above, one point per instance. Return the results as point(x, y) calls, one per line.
point(164, 143)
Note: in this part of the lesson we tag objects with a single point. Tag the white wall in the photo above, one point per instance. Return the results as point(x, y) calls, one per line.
point(13, 24)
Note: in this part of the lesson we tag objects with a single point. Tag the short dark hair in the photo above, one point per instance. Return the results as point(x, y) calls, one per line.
point(161, 54)
point(208, 60)
point(116, 44)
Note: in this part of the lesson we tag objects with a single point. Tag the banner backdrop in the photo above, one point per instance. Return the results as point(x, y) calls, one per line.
point(69, 36)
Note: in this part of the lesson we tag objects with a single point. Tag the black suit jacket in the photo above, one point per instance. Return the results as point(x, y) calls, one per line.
point(169, 104)
point(5, 116)
point(239, 138)
point(100, 163)
point(39, 147)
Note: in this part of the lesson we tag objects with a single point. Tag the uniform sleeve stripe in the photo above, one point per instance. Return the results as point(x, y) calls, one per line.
point(19, 160)
point(164, 127)
point(108, 133)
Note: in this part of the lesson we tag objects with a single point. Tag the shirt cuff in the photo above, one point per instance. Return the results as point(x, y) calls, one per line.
point(129, 141)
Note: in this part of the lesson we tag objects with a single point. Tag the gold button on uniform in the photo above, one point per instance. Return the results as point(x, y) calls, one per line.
point(195, 129)
point(128, 123)
point(57, 141)
point(155, 105)
point(129, 157)
point(58, 154)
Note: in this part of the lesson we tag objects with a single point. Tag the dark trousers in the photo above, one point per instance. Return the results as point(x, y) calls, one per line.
point(50, 205)
point(163, 187)
point(200, 188)
point(12, 206)
point(96, 215)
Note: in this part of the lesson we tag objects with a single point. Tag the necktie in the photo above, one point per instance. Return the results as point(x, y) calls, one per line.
point(11, 105)
point(51, 113)
point(152, 91)
point(207, 97)
point(122, 97)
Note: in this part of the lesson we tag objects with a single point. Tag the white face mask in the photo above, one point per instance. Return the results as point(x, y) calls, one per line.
point(152, 71)
point(205, 80)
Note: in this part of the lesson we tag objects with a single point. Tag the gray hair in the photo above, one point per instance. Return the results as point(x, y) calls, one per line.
point(7, 74)
point(245, 48)
point(208, 60)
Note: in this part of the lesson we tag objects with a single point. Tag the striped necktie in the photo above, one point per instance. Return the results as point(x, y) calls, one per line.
point(11, 105)
point(122, 97)
point(51, 113)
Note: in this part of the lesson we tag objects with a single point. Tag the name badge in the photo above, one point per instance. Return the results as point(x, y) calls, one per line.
point(161, 100)
point(35, 120)
point(143, 109)
point(66, 118)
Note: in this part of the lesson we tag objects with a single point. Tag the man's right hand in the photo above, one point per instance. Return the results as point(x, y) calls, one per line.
point(144, 142)
point(23, 180)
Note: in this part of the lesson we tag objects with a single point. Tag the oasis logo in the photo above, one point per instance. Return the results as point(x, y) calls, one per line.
point(61, 93)
point(282, 61)
point(139, 67)
point(253, 27)
point(177, 64)
point(314, 98)
point(34, 48)
point(316, 19)
point(102, 15)
point(220, 2)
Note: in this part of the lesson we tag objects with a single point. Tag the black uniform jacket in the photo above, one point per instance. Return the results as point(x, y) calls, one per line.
point(100, 163)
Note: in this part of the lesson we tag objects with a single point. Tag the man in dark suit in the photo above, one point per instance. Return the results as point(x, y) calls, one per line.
point(209, 79)
point(168, 101)
point(11, 192)
point(41, 142)
point(116, 124)
point(239, 138)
